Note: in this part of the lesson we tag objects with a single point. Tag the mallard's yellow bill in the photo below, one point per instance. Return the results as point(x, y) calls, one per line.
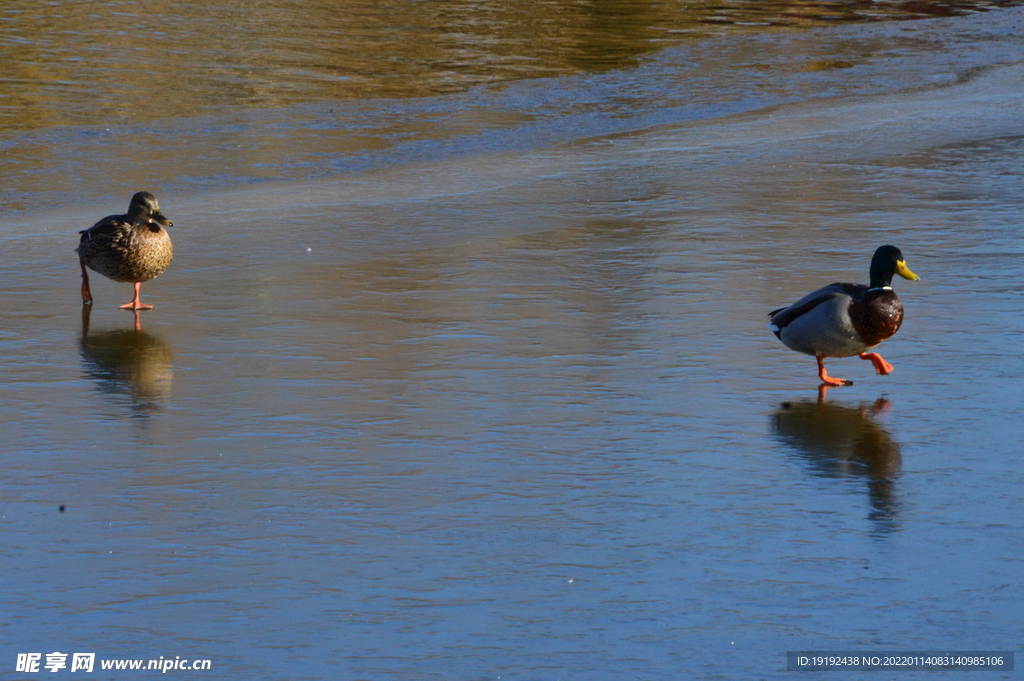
point(904, 271)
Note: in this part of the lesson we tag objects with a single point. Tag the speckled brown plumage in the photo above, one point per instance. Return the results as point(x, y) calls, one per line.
point(134, 247)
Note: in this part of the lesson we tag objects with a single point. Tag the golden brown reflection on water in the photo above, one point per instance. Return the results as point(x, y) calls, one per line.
point(89, 64)
point(128, 362)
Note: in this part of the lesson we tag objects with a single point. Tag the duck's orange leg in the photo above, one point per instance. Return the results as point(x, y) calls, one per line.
point(86, 293)
point(135, 304)
point(825, 378)
point(881, 366)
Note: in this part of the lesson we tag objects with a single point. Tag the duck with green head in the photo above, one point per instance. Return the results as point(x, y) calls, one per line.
point(842, 320)
point(134, 247)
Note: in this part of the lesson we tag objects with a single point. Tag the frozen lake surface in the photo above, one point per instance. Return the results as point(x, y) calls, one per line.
point(473, 382)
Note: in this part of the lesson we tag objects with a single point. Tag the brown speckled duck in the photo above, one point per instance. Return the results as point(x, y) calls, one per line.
point(842, 320)
point(133, 247)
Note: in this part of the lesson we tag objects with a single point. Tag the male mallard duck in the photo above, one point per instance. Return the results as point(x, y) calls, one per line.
point(132, 247)
point(842, 320)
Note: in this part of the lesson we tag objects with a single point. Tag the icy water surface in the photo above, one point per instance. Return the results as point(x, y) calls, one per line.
point(486, 392)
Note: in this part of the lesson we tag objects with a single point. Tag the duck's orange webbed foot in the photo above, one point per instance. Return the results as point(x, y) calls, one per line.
point(135, 304)
point(881, 366)
point(825, 378)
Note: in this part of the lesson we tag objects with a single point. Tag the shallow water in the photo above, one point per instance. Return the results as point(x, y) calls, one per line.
point(480, 387)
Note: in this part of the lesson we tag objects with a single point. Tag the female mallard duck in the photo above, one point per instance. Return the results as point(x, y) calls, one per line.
point(132, 247)
point(842, 320)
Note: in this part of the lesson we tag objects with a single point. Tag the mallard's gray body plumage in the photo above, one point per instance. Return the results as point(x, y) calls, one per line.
point(134, 247)
point(839, 320)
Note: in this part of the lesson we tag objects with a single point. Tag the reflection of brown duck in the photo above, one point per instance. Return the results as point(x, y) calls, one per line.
point(129, 362)
point(838, 441)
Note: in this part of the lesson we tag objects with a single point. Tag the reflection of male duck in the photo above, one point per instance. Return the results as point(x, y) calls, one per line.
point(129, 362)
point(838, 441)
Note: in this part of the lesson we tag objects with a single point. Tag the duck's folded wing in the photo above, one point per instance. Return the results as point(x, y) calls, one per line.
point(106, 227)
point(783, 316)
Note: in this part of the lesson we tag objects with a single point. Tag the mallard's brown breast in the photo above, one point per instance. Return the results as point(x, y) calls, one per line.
point(877, 316)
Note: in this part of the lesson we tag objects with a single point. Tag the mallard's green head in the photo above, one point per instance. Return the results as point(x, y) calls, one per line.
point(144, 209)
point(888, 261)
